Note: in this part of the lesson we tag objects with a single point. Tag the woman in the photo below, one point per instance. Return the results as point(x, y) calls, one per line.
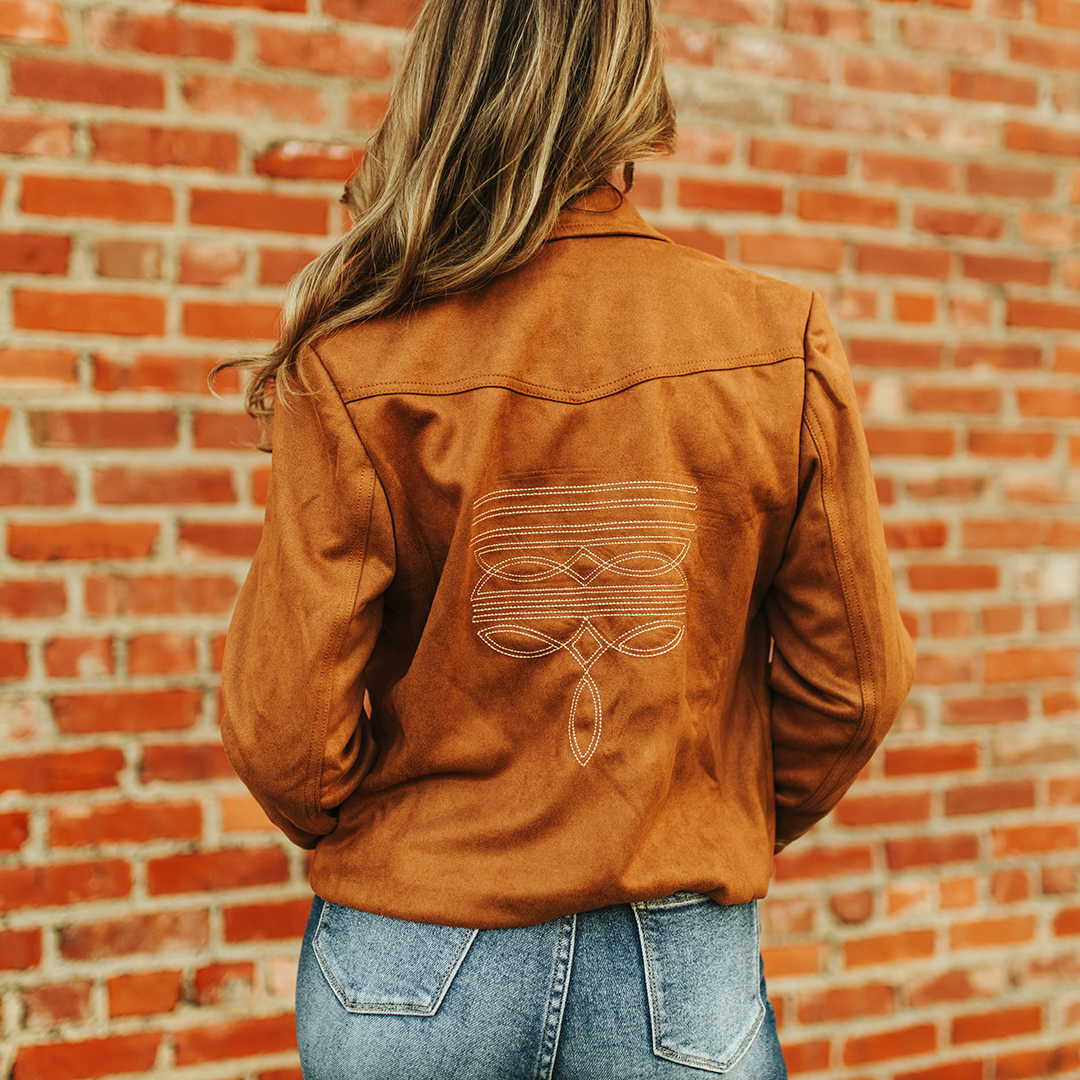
point(588, 518)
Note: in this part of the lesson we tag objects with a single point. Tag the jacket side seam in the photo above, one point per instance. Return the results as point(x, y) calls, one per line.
point(852, 608)
point(317, 743)
point(511, 382)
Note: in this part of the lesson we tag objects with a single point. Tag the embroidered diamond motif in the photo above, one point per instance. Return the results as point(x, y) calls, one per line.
point(586, 570)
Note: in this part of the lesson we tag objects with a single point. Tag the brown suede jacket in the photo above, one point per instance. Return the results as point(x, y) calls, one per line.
point(601, 543)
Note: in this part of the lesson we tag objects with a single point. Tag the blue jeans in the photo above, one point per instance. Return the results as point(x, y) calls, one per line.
point(658, 990)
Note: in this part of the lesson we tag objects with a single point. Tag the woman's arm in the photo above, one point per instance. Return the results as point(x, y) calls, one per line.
point(843, 662)
point(307, 618)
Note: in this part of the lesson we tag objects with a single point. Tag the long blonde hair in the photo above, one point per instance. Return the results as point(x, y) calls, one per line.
point(503, 112)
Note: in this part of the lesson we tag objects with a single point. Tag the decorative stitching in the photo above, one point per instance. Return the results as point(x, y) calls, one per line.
point(589, 572)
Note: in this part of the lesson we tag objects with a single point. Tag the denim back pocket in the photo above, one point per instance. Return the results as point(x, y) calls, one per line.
point(375, 964)
point(703, 978)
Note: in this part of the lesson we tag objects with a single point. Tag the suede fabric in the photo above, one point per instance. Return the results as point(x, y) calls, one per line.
point(600, 542)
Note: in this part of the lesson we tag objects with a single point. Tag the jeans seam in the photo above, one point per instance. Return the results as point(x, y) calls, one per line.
point(557, 995)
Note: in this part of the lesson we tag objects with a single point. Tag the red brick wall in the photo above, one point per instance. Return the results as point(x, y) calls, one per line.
point(166, 169)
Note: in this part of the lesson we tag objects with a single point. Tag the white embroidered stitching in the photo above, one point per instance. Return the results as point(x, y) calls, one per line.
point(529, 552)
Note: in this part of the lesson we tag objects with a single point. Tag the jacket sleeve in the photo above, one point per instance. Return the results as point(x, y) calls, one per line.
point(842, 661)
point(307, 618)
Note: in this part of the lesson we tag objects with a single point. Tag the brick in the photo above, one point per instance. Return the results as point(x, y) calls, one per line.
point(14, 830)
point(949, 986)
point(968, 311)
point(1028, 839)
point(841, 207)
point(1051, 618)
point(889, 948)
point(34, 253)
point(231, 320)
point(689, 45)
point(32, 599)
point(162, 931)
point(1057, 880)
point(94, 84)
point(120, 486)
point(33, 368)
point(1056, 702)
point(838, 114)
point(725, 12)
point(986, 710)
point(225, 431)
point(798, 157)
point(821, 862)
point(770, 56)
point(259, 210)
point(930, 851)
point(278, 265)
point(991, 933)
point(144, 993)
point(717, 195)
point(164, 594)
point(74, 770)
point(910, 442)
point(891, 352)
point(915, 307)
point(784, 960)
point(161, 35)
point(882, 167)
point(806, 1056)
point(89, 313)
point(777, 249)
point(381, 12)
point(1049, 230)
point(189, 148)
point(266, 922)
point(901, 1042)
point(241, 813)
point(854, 907)
point(127, 822)
point(1009, 181)
point(982, 400)
point(238, 1038)
point(875, 810)
point(846, 1003)
point(78, 656)
point(1018, 444)
point(178, 763)
point(245, 97)
point(1010, 886)
point(129, 260)
point(700, 240)
point(990, 798)
point(368, 107)
point(993, 86)
point(64, 883)
point(1045, 52)
point(127, 711)
point(960, 1070)
point(842, 22)
point(957, 37)
point(228, 540)
point(325, 52)
point(218, 984)
point(1065, 791)
point(869, 72)
point(102, 429)
point(233, 868)
point(911, 262)
point(948, 222)
point(19, 949)
point(88, 1059)
point(309, 161)
point(1000, 1024)
point(83, 540)
point(939, 670)
point(35, 136)
point(113, 200)
point(1037, 1064)
point(33, 21)
point(1017, 665)
point(1035, 401)
point(35, 485)
point(50, 1006)
point(161, 654)
point(1063, 13)
point(915, 534)
point(1067, 922)
point(931, 758)
point(1002, 269)
point(1003, 533)
point(153, 372)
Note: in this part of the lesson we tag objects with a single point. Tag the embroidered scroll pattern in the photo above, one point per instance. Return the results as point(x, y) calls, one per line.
point(587, 570)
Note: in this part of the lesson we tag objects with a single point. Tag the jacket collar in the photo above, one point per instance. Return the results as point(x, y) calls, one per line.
point(604, 211)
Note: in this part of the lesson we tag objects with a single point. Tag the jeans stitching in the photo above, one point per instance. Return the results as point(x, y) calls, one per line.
point(560, 985)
